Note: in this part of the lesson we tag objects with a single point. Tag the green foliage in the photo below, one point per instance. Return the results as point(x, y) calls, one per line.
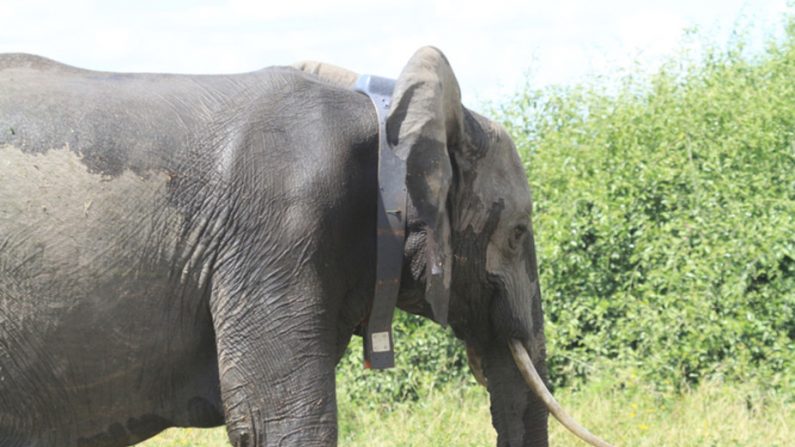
point(427, 358)
point(665, 217)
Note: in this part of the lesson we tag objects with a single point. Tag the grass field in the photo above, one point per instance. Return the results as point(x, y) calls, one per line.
point(713, 414)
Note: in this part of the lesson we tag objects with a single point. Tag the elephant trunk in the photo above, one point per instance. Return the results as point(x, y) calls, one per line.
point(518, 415)
point(540, 390)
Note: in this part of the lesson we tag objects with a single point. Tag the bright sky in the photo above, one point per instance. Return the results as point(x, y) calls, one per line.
point(492, 44)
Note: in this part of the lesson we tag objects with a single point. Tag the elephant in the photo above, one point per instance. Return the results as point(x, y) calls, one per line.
point(198, 250)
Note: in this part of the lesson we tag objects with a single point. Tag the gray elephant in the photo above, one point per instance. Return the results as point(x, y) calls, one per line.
point(180, 250)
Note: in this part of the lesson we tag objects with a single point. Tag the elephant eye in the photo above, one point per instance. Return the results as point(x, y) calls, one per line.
point(516, 235)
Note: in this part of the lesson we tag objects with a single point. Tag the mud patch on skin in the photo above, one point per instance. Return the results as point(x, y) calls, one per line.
point(50, 203)
point(77, 251)
point(69, 234)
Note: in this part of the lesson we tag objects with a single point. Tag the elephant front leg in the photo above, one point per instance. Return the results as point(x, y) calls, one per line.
point(276, 367)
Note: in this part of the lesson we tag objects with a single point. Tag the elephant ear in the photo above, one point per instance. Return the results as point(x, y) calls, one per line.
point(329, 73)
point(423, 125)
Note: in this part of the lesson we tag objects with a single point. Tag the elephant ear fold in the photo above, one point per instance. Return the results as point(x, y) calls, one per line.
point(423, 125)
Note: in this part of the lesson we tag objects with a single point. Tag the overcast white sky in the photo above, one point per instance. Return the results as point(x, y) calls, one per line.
point(492, 44)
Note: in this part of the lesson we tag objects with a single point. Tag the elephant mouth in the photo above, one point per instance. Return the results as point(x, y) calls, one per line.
point(476, 365)
point(530, 375)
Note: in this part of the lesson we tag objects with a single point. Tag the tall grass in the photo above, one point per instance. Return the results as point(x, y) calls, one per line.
point(712, 414)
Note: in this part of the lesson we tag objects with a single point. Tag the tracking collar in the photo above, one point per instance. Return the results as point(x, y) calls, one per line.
point(391, 231)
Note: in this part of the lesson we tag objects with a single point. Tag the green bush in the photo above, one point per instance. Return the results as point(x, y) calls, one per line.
point(427, 357)
point(665, 217)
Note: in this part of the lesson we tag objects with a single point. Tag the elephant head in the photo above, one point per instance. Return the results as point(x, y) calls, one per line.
point(470, 245)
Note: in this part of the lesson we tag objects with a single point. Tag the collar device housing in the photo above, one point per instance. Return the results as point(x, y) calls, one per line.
point(391, 231)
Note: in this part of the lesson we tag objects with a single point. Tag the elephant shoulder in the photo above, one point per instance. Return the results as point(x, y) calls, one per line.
point(302, 119)
point(307, 149)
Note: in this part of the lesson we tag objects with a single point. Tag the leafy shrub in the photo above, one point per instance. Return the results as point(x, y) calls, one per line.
point(665, 216)
point(427, 357)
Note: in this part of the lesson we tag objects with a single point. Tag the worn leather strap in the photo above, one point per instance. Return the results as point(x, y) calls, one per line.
point(391, 231)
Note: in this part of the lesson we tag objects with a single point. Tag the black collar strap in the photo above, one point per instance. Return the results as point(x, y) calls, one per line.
point(391, 231)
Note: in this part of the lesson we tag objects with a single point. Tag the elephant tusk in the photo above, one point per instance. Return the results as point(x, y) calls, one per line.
point(532, 378)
